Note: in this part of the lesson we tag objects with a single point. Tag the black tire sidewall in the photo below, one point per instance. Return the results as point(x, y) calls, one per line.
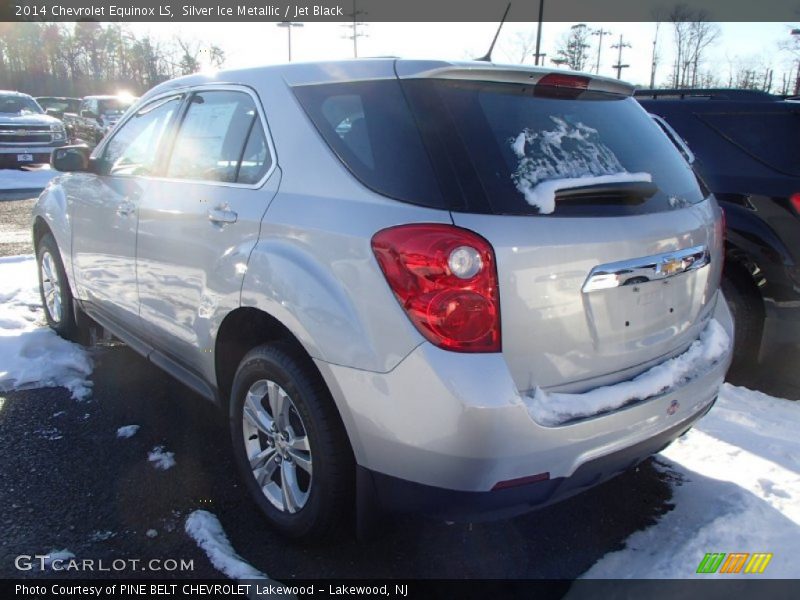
point(748, 321)
point(273, 362)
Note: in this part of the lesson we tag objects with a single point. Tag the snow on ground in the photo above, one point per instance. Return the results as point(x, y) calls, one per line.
point(17, 179)
point(161, 459)
point(127, 431)
point(32, 355)
point(736, 489)
point(550, 408)
point(205, 529)
point(60, 555)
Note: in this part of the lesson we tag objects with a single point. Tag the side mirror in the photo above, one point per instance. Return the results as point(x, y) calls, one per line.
point(89, 114)
point(53, 112)
point(69, 159)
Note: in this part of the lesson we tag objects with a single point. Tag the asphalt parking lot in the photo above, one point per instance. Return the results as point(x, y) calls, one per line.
point(70, 483)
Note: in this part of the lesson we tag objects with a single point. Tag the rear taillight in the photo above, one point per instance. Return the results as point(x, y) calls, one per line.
point(445, 279)
point(795, 200)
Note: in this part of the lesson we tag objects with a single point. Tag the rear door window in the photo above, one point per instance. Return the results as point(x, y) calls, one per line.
point(221, 138)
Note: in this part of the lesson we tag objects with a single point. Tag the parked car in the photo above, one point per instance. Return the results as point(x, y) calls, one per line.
point(27, 135)
point(746, 146)
point(96, 116)
point(456, 288)
point(56, 106)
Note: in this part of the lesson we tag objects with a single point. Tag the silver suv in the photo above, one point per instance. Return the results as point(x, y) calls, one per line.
point(461, 289)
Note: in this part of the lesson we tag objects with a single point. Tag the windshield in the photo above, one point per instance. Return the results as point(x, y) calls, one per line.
point(59, 104)
point(14, 104)
point(114, 106)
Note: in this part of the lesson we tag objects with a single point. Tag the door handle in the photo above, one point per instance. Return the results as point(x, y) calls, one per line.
point(221, 215)
point(126, 208)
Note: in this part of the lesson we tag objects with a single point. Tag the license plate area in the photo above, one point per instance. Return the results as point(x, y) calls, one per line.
point(24, 157)
point(645, 316)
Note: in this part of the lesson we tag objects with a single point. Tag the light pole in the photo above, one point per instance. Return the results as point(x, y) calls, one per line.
point(288, 25)
point(654, 61)
point(599, 32)
point(619, 66)
point(356, 14)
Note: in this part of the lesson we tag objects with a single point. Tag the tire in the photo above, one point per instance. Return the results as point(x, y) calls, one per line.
point(748, 317)
point(305, 465)
point(54, 290)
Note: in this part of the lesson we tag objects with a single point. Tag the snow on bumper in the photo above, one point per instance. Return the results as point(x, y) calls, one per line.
point(458, 421)
point(553, 409)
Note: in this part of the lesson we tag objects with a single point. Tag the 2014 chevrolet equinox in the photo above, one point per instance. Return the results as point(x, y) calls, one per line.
point(455, 288)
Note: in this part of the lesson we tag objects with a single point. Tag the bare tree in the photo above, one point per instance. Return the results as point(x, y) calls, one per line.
point(702, 34)
point(680, 16)
point(519, 46)
point(572, 50)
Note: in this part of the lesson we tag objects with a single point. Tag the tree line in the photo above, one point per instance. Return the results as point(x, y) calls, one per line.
point(79, 59)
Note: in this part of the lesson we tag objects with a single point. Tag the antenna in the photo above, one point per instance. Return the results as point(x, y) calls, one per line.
point(488, 56)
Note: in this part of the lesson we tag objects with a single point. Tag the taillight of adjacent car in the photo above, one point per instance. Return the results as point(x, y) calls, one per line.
point(445, 278)
point(794, 199)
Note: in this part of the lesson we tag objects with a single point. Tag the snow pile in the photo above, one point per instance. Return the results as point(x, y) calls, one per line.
point(127, 431)
point(161, 459)
point(61, 555)
point(737, 490)
point(205, 529)
point(35, 179)
point(569, 156)
point(552, 408)
point(31, 354)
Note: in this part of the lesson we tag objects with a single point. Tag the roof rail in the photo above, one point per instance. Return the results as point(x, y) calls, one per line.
point(708, 93)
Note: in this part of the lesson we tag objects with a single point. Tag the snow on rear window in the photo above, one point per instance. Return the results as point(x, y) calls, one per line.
point(569, 155)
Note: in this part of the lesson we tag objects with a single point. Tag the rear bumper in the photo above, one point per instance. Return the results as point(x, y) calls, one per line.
point(441, 424)
point(398, 495)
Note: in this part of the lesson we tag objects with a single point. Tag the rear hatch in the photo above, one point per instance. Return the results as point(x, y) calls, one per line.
point(608, 251)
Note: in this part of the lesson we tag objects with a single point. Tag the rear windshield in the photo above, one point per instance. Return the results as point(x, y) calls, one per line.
point(772, 138)
point(114, 106)
point(503, 148)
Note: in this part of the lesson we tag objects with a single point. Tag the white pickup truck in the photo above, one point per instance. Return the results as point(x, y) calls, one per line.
point(27, 134)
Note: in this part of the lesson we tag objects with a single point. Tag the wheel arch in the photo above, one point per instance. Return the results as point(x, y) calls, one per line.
point(248, 327)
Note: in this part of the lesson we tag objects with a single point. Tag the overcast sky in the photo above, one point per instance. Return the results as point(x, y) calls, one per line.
point(250, 44)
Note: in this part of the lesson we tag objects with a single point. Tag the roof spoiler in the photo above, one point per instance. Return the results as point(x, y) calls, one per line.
point(490, 72)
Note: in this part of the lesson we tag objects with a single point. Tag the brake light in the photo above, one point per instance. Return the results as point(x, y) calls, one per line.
point(561, 86)
point(445, 278)
point(564, 80)
point(795, 200)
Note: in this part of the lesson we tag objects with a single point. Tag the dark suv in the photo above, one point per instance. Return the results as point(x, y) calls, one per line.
point(746, 146)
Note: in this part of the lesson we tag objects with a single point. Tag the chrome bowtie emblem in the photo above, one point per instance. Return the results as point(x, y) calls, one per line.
point(22, 131)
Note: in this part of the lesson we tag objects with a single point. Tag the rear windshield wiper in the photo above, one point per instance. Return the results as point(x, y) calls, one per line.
point(612, 192)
